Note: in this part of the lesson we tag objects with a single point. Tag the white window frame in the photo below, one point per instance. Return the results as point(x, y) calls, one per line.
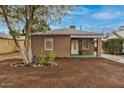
point(85, 41)
point(50, 40)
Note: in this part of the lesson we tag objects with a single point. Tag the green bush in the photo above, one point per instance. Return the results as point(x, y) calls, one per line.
point(47, 60)
point(113, 46)
point(42, 57)
point(51, 57)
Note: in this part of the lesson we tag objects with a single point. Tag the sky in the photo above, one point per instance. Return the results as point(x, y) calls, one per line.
point(96, 18)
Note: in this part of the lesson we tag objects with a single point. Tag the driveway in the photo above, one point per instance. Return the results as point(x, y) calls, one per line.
point(117, 58)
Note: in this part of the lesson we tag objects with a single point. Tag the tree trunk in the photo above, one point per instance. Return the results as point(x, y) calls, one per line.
point(29, 18)
point(25, 54)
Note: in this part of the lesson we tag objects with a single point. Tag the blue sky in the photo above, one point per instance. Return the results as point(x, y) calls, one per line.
point(94, 18)
point(91, 18)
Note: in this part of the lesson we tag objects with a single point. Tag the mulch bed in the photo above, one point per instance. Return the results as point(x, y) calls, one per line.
point(69, 73)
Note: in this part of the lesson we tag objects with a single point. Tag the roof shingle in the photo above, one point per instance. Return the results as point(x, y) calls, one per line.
point(67, 31)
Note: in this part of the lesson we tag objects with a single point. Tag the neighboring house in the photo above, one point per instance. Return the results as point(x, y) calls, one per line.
point(7, 44)
point(119, 33)
point(66, 42)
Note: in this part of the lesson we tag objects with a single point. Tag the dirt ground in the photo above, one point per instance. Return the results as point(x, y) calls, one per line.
point(69, 73)
point(14, 55)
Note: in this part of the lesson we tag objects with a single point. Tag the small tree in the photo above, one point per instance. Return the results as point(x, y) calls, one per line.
point(28, 18)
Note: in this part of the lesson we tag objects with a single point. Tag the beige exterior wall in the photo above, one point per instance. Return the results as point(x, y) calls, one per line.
point(21, 43)
point(8, 45)
point(61, 45)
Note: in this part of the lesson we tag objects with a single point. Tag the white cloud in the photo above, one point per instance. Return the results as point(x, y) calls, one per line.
point(106, 15)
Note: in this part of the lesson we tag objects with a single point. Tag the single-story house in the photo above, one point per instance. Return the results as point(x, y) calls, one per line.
point(67, 42)
point(118, 34)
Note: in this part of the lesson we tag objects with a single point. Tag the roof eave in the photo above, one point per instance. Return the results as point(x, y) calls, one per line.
point(86, 36)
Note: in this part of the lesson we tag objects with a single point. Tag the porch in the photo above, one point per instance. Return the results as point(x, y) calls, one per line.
point(84, 56)
point(85, 47)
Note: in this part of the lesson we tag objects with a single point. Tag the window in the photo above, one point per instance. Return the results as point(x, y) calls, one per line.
point(48, 44)
point(85, 44)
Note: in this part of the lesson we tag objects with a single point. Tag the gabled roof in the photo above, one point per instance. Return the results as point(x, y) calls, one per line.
point(121, 28)
point(66, 31)
point(119, 33)
point(119, 36)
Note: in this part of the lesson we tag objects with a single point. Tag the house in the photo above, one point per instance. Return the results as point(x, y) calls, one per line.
point(119, 33)
point(7, 44)
point(66, 42)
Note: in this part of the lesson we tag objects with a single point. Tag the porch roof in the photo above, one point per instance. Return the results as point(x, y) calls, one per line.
point(69, 31)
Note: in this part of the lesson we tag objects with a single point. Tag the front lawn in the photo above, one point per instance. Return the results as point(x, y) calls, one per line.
point(69, 73)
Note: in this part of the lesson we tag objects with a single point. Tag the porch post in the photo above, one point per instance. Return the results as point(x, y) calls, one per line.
point(99, 48)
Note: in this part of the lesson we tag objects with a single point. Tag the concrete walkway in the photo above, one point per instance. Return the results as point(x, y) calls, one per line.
point(10, 56)
point(117, 58)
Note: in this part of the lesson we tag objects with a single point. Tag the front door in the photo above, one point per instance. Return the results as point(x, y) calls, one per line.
point(74, 47)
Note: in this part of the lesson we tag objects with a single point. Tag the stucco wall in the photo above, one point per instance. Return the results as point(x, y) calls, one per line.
point(21, 43)
point(8, 45)
point(61, 45)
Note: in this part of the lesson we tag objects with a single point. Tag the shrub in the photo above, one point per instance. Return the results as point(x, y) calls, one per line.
point(113, 46)
point(51, 57)
point(42, 57)
point(47, 60)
